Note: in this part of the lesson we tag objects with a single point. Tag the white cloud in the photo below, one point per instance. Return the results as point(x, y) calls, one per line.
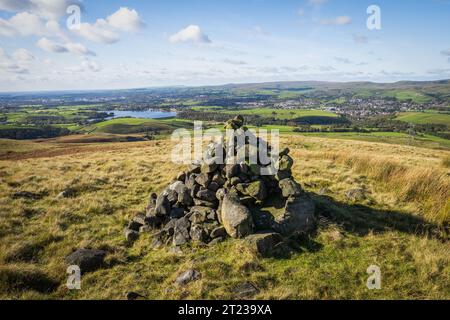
point(342, 60)
point(15, 5)
point(108, 30)
point(51, 9)
point(51, 46)
point(29, 24)
point(192, 33)
point(89, 65)
point(446, 52)
point(325, 68)
point(78, 48)
point(23, 55)
point(338, 21)
point(54, 47)
point(7, 29)
point(438, 71)
point(24, 24)
point(100, 32)
point(125, 19)
point(86, 65)
point(234, 62)
point(12, 65)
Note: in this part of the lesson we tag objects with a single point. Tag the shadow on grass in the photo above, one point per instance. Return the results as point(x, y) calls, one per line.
point(361, 220)
point(354, 218)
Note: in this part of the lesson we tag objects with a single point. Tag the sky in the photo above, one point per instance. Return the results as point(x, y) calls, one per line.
point(118, 44)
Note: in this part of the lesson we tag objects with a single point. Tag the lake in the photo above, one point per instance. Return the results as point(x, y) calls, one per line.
point(149, 114)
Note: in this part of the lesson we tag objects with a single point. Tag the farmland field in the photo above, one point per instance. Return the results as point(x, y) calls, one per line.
point(403, 95)
point(136, 125)
point(283, 114)
point(427, 141)
point(425, 117)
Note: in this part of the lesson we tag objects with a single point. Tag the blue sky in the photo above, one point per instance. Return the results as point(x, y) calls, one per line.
point(128, 44)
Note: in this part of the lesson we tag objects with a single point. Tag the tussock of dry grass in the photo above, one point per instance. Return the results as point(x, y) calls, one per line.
point(446, 162)
point(428, 187)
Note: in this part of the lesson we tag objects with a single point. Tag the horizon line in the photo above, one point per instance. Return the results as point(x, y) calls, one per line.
point(218, 85)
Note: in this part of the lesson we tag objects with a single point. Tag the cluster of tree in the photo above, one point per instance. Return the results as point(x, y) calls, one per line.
point(42, 120)
point(213, 116)
point(382, 124)
point(257, 120)
point(32, 133)
point(332, 128)
point(390, 125)
point(3, 118)
point(95, 114)
point(444, 135)
point(320, 120)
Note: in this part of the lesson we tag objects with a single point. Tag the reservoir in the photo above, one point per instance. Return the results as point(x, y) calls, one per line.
point(148, 114)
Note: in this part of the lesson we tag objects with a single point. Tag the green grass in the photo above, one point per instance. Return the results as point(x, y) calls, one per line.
point(290, 94)
point(403, 95)
point(206, 108)
point(426, 141)
point(69, 114)
point(428, 117)
point(282, 129)
point(136, 125)
point(400, 95)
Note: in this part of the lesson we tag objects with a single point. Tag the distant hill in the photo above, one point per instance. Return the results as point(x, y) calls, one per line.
point(428, 86)
point(416, 91)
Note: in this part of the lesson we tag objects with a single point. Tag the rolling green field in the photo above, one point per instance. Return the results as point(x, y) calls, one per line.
point(136, 125)
point(425, 140)
point(425, 117)
point(403, 95)
point(282, 114)
point(206, 108)
point(70, 116)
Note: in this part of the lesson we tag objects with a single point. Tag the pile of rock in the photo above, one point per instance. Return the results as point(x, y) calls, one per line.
point(209, 202)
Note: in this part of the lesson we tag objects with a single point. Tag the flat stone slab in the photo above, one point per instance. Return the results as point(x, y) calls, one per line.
point(87, 259)
point(298, 216)
point(265, 243)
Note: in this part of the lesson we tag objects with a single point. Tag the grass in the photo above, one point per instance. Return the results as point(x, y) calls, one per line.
point(424, 117)
point(136, 125)
point(425, 140)
point(428, 187)
point(403, 95)
point(283, 114)
point(207, 108)
point(68, 114)
point(391, 228)
point(446, 162)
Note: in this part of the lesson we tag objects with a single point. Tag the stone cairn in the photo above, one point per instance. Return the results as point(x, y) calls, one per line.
point(209, 202)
